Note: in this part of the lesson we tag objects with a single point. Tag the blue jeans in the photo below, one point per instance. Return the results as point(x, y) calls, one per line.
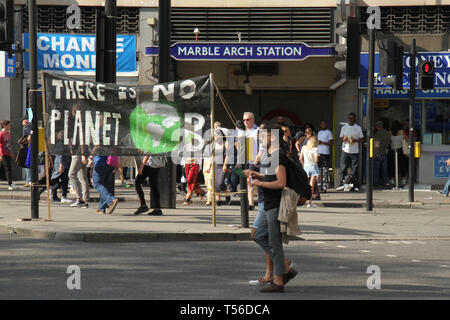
point(103, 179)
point(268, 236)
point(259, 215)
point(349, 160)
point(28, 175)
point(380, 162)
point(446, 187)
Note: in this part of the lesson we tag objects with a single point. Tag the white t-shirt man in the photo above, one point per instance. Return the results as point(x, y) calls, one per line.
point(253, 135)
point(354, 132)
point(324, 136)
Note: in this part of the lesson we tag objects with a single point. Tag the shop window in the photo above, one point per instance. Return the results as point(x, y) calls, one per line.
point(436, 122)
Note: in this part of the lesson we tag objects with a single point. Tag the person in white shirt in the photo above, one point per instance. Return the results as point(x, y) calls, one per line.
point(309, 157)
point(351, 135)
point(325, 138)
point(251, 131)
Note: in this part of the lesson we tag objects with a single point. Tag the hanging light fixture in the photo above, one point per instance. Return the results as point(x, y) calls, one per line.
point(196, 32)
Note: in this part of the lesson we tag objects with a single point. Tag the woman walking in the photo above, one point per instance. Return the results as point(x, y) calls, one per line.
point(6, 152)
point(309, 157)
point(149, 169)
point(220, 166)
point(272, 178)
point(192, 169)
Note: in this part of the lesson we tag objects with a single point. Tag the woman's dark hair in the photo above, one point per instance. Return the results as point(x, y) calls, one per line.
point(270, 127)
point(309, 124)
point(395, 127)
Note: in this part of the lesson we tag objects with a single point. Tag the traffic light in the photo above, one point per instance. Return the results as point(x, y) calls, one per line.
point(426, 75)
point(391, 63)
point(6, 24)
point(351, 49)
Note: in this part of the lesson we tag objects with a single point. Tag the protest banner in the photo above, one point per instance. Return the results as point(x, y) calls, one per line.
point(92, 118)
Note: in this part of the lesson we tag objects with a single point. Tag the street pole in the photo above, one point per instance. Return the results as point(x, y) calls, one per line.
point(370, 116)
point(34, 157)
point(244, 202)
point(110, 41)
point(242, 160)
point(412, 95)
point(105, 60)
point(168, 188)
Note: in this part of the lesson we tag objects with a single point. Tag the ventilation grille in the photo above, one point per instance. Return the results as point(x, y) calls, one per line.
point(413, 20)
point(310, 25)
point(52, 19)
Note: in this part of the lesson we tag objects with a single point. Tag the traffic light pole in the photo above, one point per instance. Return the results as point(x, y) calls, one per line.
point(34, 107)
point(168, 190)
point(370, 116)
point(412, 95)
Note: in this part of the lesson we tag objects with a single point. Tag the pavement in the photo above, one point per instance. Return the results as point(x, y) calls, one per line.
point(338, 216)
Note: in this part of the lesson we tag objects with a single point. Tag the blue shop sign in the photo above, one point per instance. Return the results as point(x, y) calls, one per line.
point(441, 66)
point(244, 51)
point(74, 52)
point(441, 170)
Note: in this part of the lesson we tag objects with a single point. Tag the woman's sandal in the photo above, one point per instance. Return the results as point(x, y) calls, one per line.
point(264, 280)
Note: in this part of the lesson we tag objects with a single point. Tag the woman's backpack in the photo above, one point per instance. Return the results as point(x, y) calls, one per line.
point(297, 179)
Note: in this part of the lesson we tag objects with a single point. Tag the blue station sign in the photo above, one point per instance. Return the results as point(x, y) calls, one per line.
point(244, 51)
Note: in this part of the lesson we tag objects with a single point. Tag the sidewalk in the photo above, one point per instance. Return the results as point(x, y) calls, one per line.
point(385, 198)
point(339, 216)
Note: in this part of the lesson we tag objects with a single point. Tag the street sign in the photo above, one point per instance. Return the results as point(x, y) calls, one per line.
point(7, 65)
point(244, 51)
point(441, 170)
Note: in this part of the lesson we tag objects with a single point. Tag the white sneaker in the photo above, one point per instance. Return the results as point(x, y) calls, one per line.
point(311, 206)
point(66, 200)
point(12, 187)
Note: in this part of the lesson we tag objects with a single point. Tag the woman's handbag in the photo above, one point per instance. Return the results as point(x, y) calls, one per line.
point(112, 161)
point(21, 157)
point(405, 147)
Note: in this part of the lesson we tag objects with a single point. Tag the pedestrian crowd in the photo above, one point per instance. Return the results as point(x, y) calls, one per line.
point(310, 148)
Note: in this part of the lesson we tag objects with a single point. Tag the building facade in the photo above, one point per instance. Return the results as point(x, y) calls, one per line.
point(304, 90)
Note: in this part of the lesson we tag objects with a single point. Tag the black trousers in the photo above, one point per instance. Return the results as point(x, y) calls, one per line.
point(62, 182)
point(6, 162)
point(152, 174)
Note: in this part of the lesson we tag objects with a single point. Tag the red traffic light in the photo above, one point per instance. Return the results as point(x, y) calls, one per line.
point(427, 67)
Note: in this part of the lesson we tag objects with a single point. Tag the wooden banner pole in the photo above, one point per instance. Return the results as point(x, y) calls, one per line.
point(213, 206)
point(47, 169)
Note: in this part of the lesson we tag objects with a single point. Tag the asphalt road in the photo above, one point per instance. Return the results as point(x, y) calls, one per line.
point(38, 269)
